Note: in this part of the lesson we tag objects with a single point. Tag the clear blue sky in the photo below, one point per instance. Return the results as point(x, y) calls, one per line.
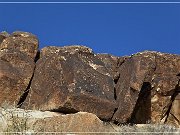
point(119, 29)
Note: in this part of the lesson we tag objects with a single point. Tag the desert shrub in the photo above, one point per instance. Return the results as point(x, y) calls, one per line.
point(148, 129)
point(14, 120)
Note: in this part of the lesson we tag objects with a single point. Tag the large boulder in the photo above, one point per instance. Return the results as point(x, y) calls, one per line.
point(32, 122)
point(147, 84)
point(37, 122)
point(72, 79)
point(133, 73)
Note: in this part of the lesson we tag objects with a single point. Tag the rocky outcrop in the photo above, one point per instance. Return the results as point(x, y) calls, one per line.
point(142, 88)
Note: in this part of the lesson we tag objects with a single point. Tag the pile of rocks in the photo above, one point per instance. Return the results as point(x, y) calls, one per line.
point(140, 88)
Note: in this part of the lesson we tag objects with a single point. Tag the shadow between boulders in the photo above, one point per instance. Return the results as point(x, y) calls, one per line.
point(64, 110)
point(142, 111)
point(25, 93)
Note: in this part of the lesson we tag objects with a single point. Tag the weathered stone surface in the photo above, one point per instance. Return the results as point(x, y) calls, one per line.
point(133, 72)
point(49, 50)
point(71, 81)
point(112, 63)
point(167, 64)
point(16, 70)
point(87, 56)
point(3, 35)
point(22, 41)
point(38, 121)
point(147, 83)
point(80, 122)
point(174, 115)
point(165, 83)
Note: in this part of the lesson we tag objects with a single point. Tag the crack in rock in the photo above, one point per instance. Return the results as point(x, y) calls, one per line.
point(26, 92)
point(169, 106)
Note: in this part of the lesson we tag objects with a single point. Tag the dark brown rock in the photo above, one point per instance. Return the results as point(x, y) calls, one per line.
point(22, 41)
point(87, 56)
point(69, 80)
point(165, 83)
point(141, 88)
point(133, 72)
point(164, 86)
point(147, 84)
point(167, 64)
point(112, 63)
point(16, 70)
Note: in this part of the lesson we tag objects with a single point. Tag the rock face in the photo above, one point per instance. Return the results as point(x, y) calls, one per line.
point(141, 88)
point(73, 80)
point(16, 67)
point(165, 86)
point(112, 63)
point(147, 85)
point(133, 73)
point(174, 114)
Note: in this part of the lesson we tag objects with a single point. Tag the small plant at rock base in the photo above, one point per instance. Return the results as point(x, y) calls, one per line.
point(15, 121)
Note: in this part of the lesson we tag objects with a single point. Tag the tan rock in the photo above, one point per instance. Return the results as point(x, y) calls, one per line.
point(81, 122)
point(43, 122)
